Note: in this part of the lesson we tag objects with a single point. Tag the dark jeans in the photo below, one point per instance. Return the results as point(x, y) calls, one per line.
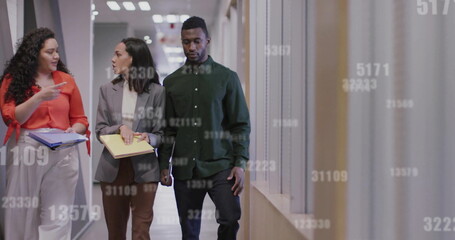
point(190, 195)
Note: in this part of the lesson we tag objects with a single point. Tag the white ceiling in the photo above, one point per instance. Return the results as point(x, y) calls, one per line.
point(141, 23)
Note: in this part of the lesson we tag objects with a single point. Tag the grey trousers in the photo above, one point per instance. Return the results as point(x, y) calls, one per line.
point(40, 189)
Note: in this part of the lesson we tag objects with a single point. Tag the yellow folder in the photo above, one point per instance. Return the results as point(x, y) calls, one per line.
point(119, 149)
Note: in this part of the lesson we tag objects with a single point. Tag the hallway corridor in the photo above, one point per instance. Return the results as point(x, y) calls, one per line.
point(350, 105)
point(165, 224)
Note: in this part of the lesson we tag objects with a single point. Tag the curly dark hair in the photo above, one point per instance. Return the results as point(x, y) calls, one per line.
point(23, 66)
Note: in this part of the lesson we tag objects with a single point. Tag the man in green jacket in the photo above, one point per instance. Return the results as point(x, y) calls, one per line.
point(207, 136)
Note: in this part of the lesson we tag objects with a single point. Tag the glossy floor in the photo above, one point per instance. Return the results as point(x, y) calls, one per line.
point(165, 223)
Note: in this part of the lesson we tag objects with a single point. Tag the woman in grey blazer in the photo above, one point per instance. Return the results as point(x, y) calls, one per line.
point(131, 105)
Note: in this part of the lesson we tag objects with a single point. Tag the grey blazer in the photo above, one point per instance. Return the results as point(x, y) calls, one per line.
point(148, 117)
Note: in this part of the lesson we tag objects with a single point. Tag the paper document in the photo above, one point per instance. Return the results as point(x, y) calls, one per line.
point(118, 149)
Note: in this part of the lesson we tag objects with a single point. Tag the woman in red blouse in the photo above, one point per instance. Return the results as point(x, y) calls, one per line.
point(38, 94)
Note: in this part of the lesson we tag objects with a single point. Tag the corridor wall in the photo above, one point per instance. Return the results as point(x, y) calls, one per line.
point(401, 133)
point(279, 197)
point(6, 52)
point(71, 22)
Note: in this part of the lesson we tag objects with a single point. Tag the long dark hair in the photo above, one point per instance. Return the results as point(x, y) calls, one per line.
point(142, 72)
point(23, 66)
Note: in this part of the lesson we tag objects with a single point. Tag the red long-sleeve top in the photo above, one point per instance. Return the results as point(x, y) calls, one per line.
point(61, 113)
